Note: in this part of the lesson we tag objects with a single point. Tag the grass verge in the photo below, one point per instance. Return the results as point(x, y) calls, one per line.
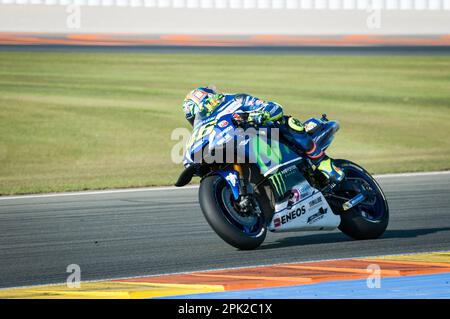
point(75, 121)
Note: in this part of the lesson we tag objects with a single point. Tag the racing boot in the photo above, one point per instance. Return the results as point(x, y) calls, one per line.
point(333, 173)
point(325, 165)
point(316, 155)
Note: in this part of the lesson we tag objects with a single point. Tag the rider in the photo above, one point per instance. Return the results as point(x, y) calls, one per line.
point(205, 100)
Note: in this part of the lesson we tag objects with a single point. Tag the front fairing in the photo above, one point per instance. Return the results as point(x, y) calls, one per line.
point(209, 133)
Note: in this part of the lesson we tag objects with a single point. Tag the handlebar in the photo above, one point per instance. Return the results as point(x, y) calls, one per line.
point(243, 120)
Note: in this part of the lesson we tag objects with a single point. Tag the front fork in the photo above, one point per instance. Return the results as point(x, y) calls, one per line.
point(245, 199)
point(242, 182)
point(241, 189)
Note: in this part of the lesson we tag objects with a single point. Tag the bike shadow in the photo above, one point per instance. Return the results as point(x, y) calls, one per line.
point(336, 237)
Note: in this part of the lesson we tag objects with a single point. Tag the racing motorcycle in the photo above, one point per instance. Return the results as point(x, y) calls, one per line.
point(261, 182)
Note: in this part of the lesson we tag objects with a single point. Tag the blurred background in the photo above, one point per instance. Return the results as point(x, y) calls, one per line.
point(91, 90)
point(228, 17)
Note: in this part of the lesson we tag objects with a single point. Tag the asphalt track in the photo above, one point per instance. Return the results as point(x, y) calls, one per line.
point(144, 232)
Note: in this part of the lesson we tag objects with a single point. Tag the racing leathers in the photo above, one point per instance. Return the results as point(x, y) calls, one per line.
point(262, 112)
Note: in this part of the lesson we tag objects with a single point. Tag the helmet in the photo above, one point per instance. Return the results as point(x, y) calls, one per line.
point(203, 101)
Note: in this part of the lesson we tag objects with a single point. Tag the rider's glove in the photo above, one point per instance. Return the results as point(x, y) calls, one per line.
point(258, 118)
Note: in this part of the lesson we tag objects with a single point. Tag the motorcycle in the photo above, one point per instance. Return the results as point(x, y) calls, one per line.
point(261, 182)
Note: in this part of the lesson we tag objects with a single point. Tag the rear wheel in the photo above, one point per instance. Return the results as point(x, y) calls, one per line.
point(241, 230)
point(369, 219)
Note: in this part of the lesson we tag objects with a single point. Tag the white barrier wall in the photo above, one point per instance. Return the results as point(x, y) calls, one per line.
point(254, 4)
point(228, 17)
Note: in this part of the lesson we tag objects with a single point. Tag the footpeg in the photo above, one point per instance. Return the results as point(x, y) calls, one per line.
point(354, 201)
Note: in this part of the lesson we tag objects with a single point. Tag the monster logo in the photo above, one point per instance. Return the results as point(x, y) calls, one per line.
point(278, 183)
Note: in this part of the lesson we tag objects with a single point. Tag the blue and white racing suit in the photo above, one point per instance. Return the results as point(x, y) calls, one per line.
point(266, 111)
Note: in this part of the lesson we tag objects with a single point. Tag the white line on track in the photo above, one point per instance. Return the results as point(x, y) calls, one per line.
point(100, 192)
point(148, 189)
point(417, 174)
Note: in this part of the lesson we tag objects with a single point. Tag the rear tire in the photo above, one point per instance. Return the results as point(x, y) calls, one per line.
point(213, 207)
point(357, 222)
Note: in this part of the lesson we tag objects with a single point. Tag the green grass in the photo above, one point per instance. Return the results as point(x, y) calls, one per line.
point(73, 121)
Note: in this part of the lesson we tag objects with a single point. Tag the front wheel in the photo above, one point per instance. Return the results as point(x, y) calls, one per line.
point(369, 219)
point(243, 231)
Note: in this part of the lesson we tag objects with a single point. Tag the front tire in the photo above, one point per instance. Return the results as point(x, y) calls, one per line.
point(367, 220)
point(216, 203)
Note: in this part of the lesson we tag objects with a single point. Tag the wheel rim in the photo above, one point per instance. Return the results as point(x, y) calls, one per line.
point(373, 209)
point(251, 225)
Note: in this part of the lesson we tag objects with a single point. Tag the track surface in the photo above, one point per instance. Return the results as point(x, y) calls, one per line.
point(138, 233)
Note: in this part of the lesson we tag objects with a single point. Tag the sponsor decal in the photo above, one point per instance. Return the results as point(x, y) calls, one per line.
point(277, 222)
point(289, 170)
point(310, 126)
point(223, 123)
point(206, 121)
point(237, 117)
point(278, 179)
point(290, 216)
point(317, 216)
point(297, 195)
point(294, 197)
point(278, 183)
point(273, 109)
point(232, 107)
point(224, 132)
point(315, 201)
point(232, 178)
